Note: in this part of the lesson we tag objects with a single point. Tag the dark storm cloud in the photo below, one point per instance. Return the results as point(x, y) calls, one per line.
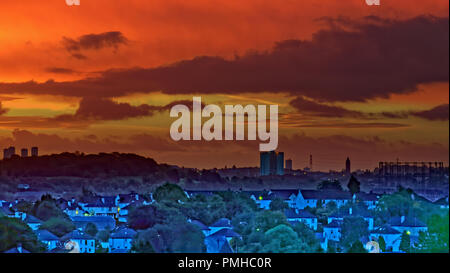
point(440, 112)
point(310, 107)
point(60, 70)
point(354, 62)
point(79, 56)
point(95, 41)
point(101, 109)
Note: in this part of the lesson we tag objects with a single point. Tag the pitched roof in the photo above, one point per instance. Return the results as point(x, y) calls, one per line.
point(93, 219)
point(399, 221)
point(326, 194)
point(346, 213)
point(301, 213)
point(367, 196)
point(442, 201)
point(385, 230)
point(222, 222)
point(334, 224)
point(257, 194)
point(99, 204)
point(45, 235)
point(30, 219)
point(123, 233)
point(77, 235)
point(120, 250)
point(200, 225)
point(283, 194)
point(226, 232)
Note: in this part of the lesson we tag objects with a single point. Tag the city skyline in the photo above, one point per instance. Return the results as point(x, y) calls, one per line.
point(344, 85)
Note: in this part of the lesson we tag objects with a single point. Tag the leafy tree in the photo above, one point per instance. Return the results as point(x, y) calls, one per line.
point(404, 202)
point(103, 235)
point(307, 235)
point(205, 209)
point(178, 236)
point(405, 243)
point(266, 219)
point(169, 192)
point(91, 229)
point(436, 240)
point(58, 226)
point(278, 204)
point(283, 239)
point(357, 247)
point(382, 243)
point(47, 208)
point(353, 185)
point(237, 203)
point(329, 185)
point(144, 241)
point(353, 229)
point(144, 217)
point(14, 232)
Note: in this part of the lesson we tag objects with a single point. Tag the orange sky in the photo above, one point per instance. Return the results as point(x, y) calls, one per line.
point(162, 32)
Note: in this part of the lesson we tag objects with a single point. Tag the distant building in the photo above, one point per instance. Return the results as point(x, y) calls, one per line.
point(272, 163)
point(34, 151)
point(347, 166)
point(9, 152)
point(289, 164)
point(280, 163)
point(24, 152)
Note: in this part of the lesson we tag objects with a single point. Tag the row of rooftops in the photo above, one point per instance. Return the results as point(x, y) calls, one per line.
point(307, 194)
point(389, 227)
point(120, 233)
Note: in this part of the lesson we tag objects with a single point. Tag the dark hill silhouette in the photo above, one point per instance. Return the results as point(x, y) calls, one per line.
point(80, 165)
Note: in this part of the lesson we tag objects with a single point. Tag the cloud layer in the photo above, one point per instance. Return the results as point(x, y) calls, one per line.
point(349, 61)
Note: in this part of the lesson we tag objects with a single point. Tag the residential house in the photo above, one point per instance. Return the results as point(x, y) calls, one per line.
point(261, 198)
point(369, 199)
point(74, 209)
point(33, 222)
point(121, 239)
point(101, 222)
point(310, 198)
point(411, 225)
point(391, 236)
point(222, 223)
point(340, 215)
point(48, 238)
point(83, 241)
point(295, 215)
point(289, 196)
point(101, 208)
point(219, 241)
point(332, 231)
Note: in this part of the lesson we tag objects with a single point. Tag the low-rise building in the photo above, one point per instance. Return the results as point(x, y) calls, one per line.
point(121, 239)
point(304, 216)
